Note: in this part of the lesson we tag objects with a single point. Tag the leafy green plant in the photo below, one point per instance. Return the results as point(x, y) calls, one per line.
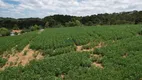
point(2, 61)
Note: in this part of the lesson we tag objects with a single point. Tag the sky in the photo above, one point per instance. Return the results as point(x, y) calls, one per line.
point(42, 8)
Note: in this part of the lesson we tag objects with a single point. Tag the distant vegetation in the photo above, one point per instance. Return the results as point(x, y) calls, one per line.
point(133, 17)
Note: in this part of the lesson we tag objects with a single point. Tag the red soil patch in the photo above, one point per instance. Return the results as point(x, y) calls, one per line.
point(16, 31)
point(22, 58)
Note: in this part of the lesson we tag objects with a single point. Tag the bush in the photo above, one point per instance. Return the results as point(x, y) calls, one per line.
point(73, 23)
point(16, 33)
point(35, 27)
point(23, 31)
point(4, 32)
point(2, 62)
point(15, 27)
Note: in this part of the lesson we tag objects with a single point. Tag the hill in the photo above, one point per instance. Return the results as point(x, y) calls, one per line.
point(73, 53)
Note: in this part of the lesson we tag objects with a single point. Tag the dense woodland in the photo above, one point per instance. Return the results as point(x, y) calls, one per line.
point(133, 17)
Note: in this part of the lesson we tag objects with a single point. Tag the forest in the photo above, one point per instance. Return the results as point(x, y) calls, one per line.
point(131, 17)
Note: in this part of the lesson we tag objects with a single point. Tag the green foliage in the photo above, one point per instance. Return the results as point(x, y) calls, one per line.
point(89, 23)
point(140, 32)
point(23, 31)
point(47, 24)
point(16, 33)
point(2, 61)
point(15, 27)
point(4, 32)
point(120, 55)
point(35, 27)
point(131, 17)
point(73, 23)
point(18, 42)
point(49, 68)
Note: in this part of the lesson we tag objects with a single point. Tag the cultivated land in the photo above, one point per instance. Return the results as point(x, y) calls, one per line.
point(73, 53)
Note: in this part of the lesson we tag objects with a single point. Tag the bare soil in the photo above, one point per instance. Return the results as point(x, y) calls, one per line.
point(95, 55)
point(101, 44)
point(99, 65)
point(22, 58)
point(80, 48)
point(62, 76)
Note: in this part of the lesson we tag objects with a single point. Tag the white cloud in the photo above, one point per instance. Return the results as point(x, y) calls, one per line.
point(41, 8)
point(5, 5)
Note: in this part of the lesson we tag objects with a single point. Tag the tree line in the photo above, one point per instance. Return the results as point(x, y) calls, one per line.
point(132, 17)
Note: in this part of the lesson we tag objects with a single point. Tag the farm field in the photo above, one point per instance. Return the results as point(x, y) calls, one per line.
point(73, 53)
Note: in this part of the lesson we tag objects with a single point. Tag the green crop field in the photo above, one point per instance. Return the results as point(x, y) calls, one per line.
point(77, 53)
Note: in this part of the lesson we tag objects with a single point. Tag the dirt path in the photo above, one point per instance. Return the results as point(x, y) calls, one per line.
point(40, 31)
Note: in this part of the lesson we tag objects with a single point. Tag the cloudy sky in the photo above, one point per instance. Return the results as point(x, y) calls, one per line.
point(42, 8)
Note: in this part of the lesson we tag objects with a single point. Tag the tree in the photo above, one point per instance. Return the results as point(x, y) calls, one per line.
point(35, 27)
point(4, 32)
point(47, 24)
point(70, 24)
point(15, 27)
point(89, 23)
point(77, 23)
point(73, 23)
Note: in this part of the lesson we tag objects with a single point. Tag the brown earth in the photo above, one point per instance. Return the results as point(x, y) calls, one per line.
point(101, 44)
point(22, 58)
point(99, 65)
point(62, 76)
point(95, 55)
point(80, 48)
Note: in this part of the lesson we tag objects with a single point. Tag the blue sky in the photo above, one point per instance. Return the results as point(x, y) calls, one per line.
point(42, 8)
point(11, 2)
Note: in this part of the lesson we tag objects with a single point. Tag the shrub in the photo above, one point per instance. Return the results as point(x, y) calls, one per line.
point(16, 33)
point(35, 27)
point(2, 61)
point(73, 23)
point(4, 32)
point(15, 27)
